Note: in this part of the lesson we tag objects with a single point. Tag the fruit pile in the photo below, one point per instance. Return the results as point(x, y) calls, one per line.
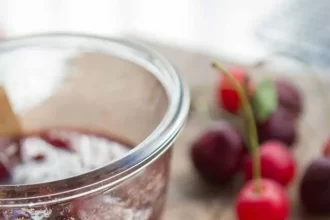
point(262, 150)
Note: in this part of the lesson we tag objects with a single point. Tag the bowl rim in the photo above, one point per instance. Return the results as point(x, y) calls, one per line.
point(160, 139)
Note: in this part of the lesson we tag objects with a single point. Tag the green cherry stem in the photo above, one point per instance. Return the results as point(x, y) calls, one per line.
point(252, 130)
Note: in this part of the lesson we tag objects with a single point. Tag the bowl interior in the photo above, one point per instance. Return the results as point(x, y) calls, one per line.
point(66, 86)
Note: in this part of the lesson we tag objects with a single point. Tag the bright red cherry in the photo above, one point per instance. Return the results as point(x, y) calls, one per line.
point(272, 203)
point(277, 163)
point(227, 95)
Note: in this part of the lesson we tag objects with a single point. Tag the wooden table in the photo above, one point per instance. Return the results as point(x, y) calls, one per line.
point(190, 198)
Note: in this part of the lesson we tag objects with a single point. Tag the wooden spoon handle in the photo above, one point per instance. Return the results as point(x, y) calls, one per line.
point(9, 122)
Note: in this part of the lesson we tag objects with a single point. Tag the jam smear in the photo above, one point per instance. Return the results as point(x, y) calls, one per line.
point(57, 140)
point(55, 154)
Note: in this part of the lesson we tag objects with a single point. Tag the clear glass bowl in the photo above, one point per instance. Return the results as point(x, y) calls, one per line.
point(109, 85)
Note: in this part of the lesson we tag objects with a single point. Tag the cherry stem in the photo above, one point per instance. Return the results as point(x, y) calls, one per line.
point(252, 129)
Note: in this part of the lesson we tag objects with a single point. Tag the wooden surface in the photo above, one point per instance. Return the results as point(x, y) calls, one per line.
point(190, 198)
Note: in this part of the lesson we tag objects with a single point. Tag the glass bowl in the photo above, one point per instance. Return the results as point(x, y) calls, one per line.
point(113, 86)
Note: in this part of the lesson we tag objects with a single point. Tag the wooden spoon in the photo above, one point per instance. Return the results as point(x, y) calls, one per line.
point(9, 122)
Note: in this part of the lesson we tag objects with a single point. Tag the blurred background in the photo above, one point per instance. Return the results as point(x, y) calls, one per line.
point(238, 30)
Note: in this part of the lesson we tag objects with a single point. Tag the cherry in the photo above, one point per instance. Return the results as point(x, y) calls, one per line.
point(314, 187)
point(260, 198)
point(218, 152)
point(270, 203)
point(227, 95)
point(289, 96)
point(277, 163)
point(281, 126)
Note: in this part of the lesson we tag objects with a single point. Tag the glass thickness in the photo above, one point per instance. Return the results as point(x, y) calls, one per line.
point(110, 86)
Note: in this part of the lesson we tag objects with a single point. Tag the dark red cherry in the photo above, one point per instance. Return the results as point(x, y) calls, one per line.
point(289, 97)
point(217, 154)
point(315, 187)
point(280, 126)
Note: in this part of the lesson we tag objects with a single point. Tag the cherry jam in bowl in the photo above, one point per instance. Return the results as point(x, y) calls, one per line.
point(98, 118)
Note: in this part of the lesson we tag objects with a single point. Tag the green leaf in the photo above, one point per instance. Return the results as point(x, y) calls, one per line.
point(264, 101)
